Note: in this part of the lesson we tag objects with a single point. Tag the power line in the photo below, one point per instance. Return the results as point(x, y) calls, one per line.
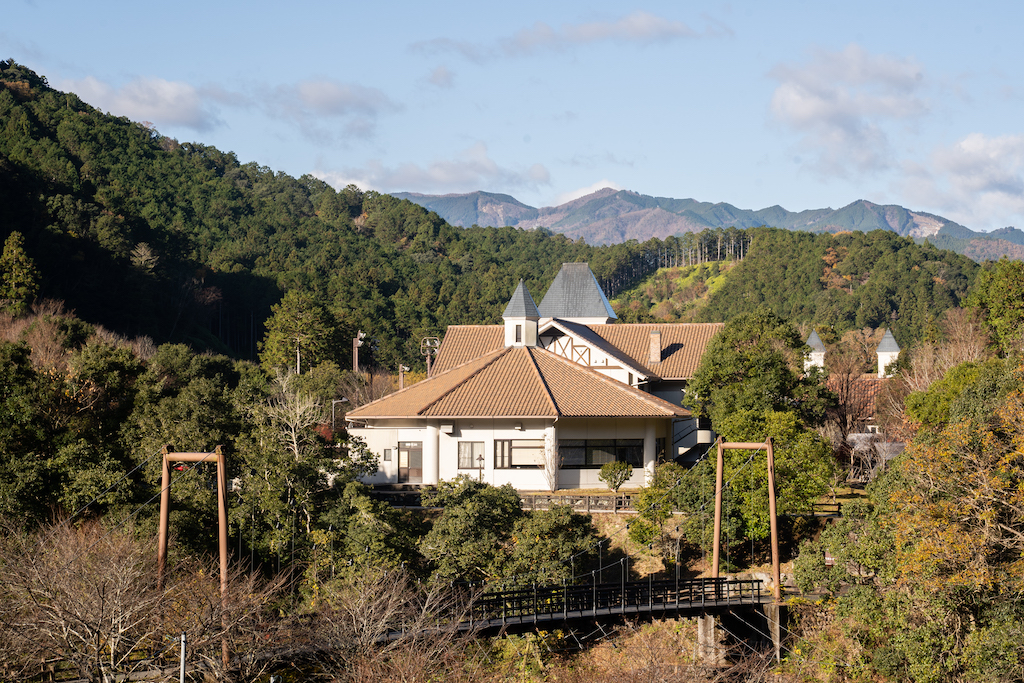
point(132, 514)
point(109, 489)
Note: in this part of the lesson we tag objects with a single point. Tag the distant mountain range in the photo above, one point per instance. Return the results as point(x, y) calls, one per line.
point(611, 216)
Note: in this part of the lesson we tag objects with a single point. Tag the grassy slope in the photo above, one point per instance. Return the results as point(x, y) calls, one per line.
point(673, 294)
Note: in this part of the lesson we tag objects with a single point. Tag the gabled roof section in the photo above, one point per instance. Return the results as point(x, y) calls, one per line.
point(888, 343)
point(521, 304)
point(463, 343)
point(682, 345)
point(814, 341)
point(518, 382)
point(576, 294)
point(587, 334)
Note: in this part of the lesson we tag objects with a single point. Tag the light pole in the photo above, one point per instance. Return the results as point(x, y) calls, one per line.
point(357, 341)
point(428, 348)
point(334, 403)
point(402, 369)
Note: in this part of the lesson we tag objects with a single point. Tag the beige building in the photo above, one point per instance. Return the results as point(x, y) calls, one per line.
point(545, 399)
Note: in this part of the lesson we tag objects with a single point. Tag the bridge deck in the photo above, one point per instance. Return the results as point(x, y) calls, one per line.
point(548, 606)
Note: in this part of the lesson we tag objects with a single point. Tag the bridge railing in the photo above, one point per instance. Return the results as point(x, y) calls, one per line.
point(622, 502)
point(611, 598)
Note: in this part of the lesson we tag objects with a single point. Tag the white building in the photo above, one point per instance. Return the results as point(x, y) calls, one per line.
point(542, 401)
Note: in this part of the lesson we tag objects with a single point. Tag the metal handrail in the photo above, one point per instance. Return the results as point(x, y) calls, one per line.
point(614, 598)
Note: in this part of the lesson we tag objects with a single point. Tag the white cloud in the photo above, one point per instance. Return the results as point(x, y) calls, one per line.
point(841, 104)
point(639, 27)
point(308, 103)
point(442, 77)
point(979, 181)
point(165, 103)
point(471, 170)
point(584, 191)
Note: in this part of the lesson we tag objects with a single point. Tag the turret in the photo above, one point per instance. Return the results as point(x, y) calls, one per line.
point(521, 318)
point(888, 351)
point(816, 358)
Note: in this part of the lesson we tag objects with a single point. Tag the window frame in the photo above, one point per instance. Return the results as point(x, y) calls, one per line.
point(588, 458)
point(476, 448)
point(505, 452)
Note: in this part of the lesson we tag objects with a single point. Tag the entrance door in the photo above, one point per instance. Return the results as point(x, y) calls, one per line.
point(410, 462)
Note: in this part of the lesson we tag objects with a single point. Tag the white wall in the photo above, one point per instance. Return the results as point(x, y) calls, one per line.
point(598, 428)
point(488, 430)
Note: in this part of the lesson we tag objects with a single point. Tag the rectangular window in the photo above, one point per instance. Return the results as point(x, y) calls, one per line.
point(410, 462)
point(519, 334)
point(471, 455)
point(593, 453)
point(387, 455)
point(513, 453)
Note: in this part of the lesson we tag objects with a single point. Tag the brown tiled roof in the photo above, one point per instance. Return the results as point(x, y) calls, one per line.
point(682, 344)
point(519, 382)
point(463, 343)
point(858, 393)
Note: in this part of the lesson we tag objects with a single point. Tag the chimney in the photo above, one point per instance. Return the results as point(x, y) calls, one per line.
point(655, 346)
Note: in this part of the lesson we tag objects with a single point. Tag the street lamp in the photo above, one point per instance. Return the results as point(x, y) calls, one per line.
point(333, 403)
point(357, 341)
point(428, 348)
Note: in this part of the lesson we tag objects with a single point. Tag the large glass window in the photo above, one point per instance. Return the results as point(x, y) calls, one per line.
point(471, 455)
point(510, 453)
point(592, 453)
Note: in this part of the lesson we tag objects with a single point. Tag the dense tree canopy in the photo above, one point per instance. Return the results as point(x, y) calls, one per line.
point(756, 364)
point(998, 295)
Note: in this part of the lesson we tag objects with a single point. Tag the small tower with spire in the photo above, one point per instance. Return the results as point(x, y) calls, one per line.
point(521, 318)
point(816, 358)
point(888, 351)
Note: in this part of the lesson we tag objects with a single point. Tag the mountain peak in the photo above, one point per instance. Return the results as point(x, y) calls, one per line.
point(610, 216)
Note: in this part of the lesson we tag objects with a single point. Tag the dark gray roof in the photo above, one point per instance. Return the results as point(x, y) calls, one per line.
point(888, 344)
point(576, 294)
point(814, 341)
point(521, 304)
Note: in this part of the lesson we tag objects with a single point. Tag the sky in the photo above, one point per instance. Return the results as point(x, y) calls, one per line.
point(801, 104)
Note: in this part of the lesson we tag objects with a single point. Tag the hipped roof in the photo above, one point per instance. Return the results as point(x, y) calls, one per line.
point(575, 293)
point(519, 382)
point(682, 344)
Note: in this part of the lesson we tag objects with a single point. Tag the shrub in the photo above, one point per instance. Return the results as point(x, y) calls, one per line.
point(615, 474)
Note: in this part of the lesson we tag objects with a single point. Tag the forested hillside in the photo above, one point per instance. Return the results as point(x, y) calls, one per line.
point(843, 281)
point(183, 242)
point(161, 241)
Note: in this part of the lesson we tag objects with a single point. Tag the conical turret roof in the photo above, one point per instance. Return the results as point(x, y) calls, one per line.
point(888, 344)
point(521, 304)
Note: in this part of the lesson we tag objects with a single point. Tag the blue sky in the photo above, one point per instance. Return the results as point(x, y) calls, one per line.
point(801, 104)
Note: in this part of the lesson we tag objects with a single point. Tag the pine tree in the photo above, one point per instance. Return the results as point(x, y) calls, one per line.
point(19, 277)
